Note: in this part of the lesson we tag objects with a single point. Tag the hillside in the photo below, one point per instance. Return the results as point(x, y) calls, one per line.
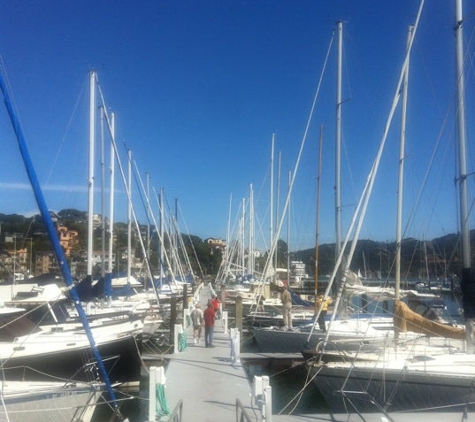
point(430, 258)
point(419, 259)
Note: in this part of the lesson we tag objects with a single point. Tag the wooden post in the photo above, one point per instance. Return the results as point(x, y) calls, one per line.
point(185, 296)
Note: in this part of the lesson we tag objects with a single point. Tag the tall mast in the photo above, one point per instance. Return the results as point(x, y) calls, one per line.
point(317, 223)
point(338, 141)
point(103, 201)
point(243, 235)
point(111, 196)
point(461, 129)
point(147, 175)
point(401, 170)
point(251, 231)
point(176, 264)
point(129, 215)
point(277, 210)
point(271, 199)
point(467, 283)
point(92, 134)
point(288, 231)
point(162, 234)
point(227, 255)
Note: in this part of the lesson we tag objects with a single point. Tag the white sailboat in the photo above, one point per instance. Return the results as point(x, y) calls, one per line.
point(345, 330)
point(17, 346)
point(428, 373)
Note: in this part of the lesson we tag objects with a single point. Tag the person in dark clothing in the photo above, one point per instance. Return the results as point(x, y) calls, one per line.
point(209, 317)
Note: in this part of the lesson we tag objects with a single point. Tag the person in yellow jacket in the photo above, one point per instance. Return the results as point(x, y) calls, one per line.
point(323, 303)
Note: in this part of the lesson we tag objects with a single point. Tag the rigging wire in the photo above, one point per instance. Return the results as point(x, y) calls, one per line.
point(299, 395)
point(81, 95)
point(294, 172)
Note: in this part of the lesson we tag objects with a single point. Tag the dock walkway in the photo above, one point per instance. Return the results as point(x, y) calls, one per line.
point(207, 380)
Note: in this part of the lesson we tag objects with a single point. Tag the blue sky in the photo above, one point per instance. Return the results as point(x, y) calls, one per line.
point(199, 87)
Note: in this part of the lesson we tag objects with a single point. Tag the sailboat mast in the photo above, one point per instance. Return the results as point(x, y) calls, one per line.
point(317, 233)
point(271, 200)
point(162, 234)
point(147, 175)
point(243, 238)
point(277, 216)
point(461, 129)
point(288, 231)
point(92, 133)
point(227, 254)
point(338, 141)
point(251, 259)
point(129, 215)
point(111, 196)
point(103, 201)
point(468, 282)
point(401, 171)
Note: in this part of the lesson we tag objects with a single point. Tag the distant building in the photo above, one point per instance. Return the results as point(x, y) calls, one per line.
point(97, 221)
point(67, 239)
point(45, 262)
point(15, 260)
point(97, 258)
point(216, 243)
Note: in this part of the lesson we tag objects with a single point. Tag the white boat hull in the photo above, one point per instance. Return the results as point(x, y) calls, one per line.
point(46, 402)
point(424, 382)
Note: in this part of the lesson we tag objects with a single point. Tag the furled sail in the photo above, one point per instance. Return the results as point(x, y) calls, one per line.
point(406, 319)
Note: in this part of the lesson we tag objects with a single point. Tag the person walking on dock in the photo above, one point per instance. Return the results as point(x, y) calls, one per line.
point(209, 317)
point(197, 321)
point(287, 308)
point(216, 303)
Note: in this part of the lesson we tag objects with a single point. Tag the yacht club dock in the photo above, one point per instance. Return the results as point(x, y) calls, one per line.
point(211, 384)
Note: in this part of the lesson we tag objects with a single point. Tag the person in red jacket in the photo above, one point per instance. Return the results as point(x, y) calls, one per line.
point(216, 303)
point(209, 317)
